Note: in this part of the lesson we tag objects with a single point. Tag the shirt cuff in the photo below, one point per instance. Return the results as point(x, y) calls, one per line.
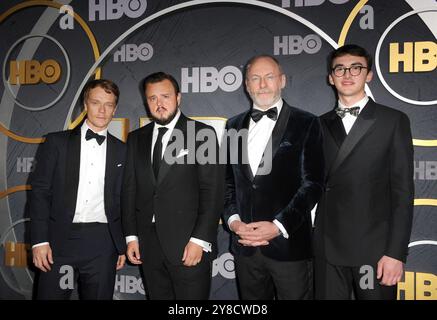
point(207, 247)
point(233, 218)
point(131, 238)
point(281, 228)
point(39, 244)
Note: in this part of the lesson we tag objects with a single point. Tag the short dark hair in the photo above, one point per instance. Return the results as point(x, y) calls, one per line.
point(107, 85)
point(262, 56)
point(353, 50)
point(158, 77)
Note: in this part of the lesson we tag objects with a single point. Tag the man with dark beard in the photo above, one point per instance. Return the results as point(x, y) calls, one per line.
point(171, 202)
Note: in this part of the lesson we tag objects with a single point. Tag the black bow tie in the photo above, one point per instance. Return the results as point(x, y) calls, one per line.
point(258, 114)
point(341, 112)
point(92, 135)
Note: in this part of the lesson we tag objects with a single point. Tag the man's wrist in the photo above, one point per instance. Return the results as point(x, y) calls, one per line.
point(233, 225)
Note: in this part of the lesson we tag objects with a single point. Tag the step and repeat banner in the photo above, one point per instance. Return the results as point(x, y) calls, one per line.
point(49, 49)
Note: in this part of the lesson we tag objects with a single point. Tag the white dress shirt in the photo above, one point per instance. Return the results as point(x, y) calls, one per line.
point(349, 120)
point(259, 135)
point(165, 138)
point(90, 201)
point(170, 126)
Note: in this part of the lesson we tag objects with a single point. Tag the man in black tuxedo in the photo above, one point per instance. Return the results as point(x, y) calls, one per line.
point(75, 211)
point(171, 200)
point(268, 206)
point(363, 220)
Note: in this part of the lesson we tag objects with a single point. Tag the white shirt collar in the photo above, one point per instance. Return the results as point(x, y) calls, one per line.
point(278, 104)
point(85, 127)
point(360, 103)
point(170, 126)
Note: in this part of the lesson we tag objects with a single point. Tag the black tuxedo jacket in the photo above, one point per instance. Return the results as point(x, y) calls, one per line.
point(366, 208)
point(186, 199)
point(55, 183)
point(288, 193)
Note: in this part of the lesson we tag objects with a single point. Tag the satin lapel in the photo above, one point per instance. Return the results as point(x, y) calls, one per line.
point(144, 157)
point(280, 127)
point(244, 160)
point(111, 163)
point(72, 169)
point(361, 126)
point(336, 128)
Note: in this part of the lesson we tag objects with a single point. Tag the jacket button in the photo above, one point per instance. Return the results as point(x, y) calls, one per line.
point(254, 186)
point(327, 189)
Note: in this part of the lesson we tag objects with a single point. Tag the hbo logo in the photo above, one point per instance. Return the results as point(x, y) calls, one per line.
point(209, 79)
point(295, 44)
point(129, 284)
point(132, 52)
point(33, 72)
point(115, 9)
point(225, 266)
point(418, 56)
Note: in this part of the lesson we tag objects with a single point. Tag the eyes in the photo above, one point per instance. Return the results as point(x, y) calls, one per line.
point(154, 98)
point(340, 71)
point(268, 78)
point(97, 104)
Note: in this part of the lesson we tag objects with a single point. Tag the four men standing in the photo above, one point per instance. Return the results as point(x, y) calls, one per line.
point(357, 160)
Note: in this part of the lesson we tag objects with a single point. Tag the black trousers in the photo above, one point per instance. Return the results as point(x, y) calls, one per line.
point(262, 278)
point(334, 282)
point(89, 258)
point(166, 281)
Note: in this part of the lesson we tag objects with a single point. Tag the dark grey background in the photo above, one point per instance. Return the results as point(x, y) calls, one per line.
point(215, 35)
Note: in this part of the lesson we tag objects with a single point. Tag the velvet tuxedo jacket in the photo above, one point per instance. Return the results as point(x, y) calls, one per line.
point(288, 192)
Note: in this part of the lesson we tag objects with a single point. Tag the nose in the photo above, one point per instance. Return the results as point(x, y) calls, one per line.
point(262, 82)
point(347, 73)
point(158, 102)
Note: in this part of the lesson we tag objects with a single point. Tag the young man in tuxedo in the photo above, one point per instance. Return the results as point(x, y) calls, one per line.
point(75, 203)
point(171, 200)
point(269, 195)
point(363, 220)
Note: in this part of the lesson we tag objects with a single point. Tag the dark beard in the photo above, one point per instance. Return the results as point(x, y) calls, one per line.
point(164, 122)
